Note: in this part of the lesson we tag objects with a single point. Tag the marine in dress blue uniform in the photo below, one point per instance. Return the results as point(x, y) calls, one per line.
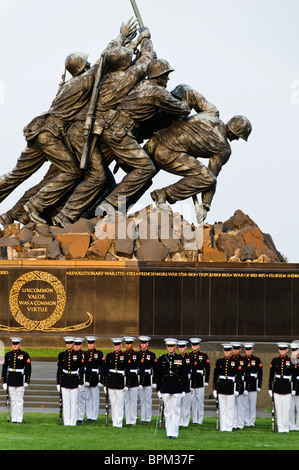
point(16, 373)
point(147, 364)
point(186, 398)
point(70, 370)
point(253, 380)
point(227, 382)
point(200, 376)
point(132, 382)
point(239, 401)
point(78, 343)
point(171, 376)
point(116, 372)
point(294, 406)
point(281, 381)
point(94, 363)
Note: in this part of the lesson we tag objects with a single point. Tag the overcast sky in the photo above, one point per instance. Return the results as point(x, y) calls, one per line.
point(241, 55)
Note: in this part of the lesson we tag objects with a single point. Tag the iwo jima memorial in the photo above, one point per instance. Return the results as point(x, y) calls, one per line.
point(75, 257)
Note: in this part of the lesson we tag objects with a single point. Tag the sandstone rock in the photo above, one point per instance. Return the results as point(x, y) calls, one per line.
point(36, 253)
point(263, 259)
point(228, 243)
point(44, 230)
point(180, 257)
point(212, 254)
point(152, 251)
point(124, 247)
point(237, 221)
point(99, 249)
point(53, 250)
point(74, 245)
point(207, 236)
point(12, 241)
point(11, 229)
point(247, 253)
point(150, 235)
point(254, 237)
point(172, 245)
point(81, 226)
point(40, 241)
point(25, 235)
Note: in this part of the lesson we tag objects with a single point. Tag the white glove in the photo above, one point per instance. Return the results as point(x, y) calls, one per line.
point(293, 393)
point(4, 386)
point(125, 389)
point(25, 384)
point(159, 395)
point(258, 389)
point(183, 394)
point(236, 394)
point(245, 393)
point(206, 384)
point(58, 388)
point(215, 393)
point(140, 387)
point(100, 385)
point(86, 384)
point(153, 386)
point(270, 393)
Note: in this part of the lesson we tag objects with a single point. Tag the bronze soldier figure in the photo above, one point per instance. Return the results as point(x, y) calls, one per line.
point(176, 148)
point(122, 76)
point(47, 139)
point(120, 133)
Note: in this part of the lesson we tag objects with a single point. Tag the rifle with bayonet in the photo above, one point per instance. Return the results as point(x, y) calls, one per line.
point(60, 406)
point(7, 404)
point(161, 413)
point(107, 406)
point(273, 412)
point(90, 116)
point(217, 411)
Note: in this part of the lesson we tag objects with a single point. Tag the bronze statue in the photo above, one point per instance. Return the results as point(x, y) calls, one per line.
point(121, 77)
point(121, 126)
point(104, 113)
point(176, 148)
point(46, 135)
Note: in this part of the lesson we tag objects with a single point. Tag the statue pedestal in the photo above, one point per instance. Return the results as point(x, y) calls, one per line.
point(44, 300)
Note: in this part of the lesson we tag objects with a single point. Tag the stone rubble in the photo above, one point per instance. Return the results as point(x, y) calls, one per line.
point(151, 234)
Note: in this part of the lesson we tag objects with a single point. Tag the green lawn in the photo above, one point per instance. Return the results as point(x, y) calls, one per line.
point(53, 352)
point(42, 432)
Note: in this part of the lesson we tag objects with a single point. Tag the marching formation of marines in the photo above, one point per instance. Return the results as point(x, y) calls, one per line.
point(128, 377)
point(119, 110)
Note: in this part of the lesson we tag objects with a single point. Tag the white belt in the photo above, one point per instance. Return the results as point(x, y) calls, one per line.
point(70, 371)
point(134, 371)
point(223, 377)
point(115, 371)
point(288, 377)
point(148, 371)
point(200, 372)
point(10, 369)
point(253, 375)
point(94, 370)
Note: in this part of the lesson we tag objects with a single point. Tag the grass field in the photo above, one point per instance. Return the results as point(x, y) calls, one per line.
point(42, 432)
